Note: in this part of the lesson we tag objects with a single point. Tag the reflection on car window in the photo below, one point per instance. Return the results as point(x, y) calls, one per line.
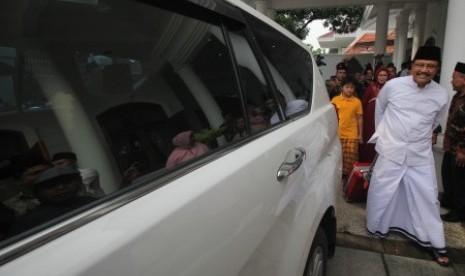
point(290, 65)
point(121, 95)
point(260, 103)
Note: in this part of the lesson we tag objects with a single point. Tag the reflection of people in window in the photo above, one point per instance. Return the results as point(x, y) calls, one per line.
point(239, 128)
point(292, 107)
point(7, 217)
point(27, 168)
point(90, 176)
point(233, 129)
point(257, 118)
point(186, 148)
point(57, 190)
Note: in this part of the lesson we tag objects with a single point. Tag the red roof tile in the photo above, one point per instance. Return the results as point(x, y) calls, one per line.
point(327, 35)
point(365, 43)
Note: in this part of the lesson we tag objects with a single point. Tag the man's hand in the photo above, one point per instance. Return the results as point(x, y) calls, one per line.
point(435, 138)
point(460, 159)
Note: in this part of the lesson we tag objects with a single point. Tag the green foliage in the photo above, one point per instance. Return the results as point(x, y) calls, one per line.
point(292, 22)
point(339, 20)
point(207, 135)
point(315, 52)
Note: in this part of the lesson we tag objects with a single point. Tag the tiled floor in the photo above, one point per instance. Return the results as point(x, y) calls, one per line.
point(356, 262)
point(394, 247)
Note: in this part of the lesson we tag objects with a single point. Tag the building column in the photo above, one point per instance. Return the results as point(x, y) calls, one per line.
point(419, 28)
point(454, 43)
point(430, 20)
point(80, 132)
point(396, 41)
point(271, 13)
point(382, 22)
point(440, 28)
point(202, 95)
point(400, 44)
point(263, 6)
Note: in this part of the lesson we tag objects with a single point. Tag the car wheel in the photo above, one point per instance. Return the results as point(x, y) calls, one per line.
point(318, 258)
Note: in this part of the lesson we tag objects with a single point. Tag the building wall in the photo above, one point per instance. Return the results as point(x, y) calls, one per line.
point(332, 60)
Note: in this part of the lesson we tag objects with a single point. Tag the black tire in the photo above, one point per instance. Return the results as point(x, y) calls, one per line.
point(317, 260)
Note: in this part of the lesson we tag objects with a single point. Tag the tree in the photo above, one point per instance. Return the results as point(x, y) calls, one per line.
point(339, 20)
point(315, 52)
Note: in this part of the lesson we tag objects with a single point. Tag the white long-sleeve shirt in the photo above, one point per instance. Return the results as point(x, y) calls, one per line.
point(405, 117)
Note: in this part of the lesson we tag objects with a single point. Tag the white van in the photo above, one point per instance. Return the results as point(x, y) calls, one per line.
point(199, 135)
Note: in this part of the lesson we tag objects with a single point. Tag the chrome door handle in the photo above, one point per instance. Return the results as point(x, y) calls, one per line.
point(288, 167)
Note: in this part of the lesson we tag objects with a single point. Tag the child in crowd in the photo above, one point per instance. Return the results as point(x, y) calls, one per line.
point(349, 109)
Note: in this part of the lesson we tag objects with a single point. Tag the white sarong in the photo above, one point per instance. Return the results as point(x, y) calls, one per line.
point(405, 199)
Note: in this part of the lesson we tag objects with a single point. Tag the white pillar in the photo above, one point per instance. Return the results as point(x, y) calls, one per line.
point(78, 129)
point(263, 6)
point(419, 28)
point(396, 41)
point(382, 22)
point(430, 20)
point(202, 96)
point(454, 43)
point(442, 18)
point(271, 13)
point(401, 37)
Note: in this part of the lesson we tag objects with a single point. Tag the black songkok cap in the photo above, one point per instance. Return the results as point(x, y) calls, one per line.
point(64, 155)
point(460, 67)
point(341, 66)
point(348, 80)
point(27, 160)
point(428, 53)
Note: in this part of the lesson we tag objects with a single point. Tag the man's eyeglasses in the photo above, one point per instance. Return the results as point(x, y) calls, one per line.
point(428, 66)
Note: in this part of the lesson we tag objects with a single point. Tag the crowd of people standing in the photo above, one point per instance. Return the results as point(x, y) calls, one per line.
point(395, 116)
point(362, 99)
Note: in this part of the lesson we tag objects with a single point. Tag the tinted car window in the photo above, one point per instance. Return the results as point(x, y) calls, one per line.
point(123, 89)
point(261, 105)
point(290, 66)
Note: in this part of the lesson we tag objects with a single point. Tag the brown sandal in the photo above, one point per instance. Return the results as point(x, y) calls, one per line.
point(440, 258)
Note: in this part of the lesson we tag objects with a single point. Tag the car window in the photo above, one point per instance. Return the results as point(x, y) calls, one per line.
point(289, 64)
point(260, 103)
point(98, 94)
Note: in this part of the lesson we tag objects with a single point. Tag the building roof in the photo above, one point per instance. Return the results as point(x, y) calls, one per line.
point(365, 44)
point(327, 35)
point(333, 40)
